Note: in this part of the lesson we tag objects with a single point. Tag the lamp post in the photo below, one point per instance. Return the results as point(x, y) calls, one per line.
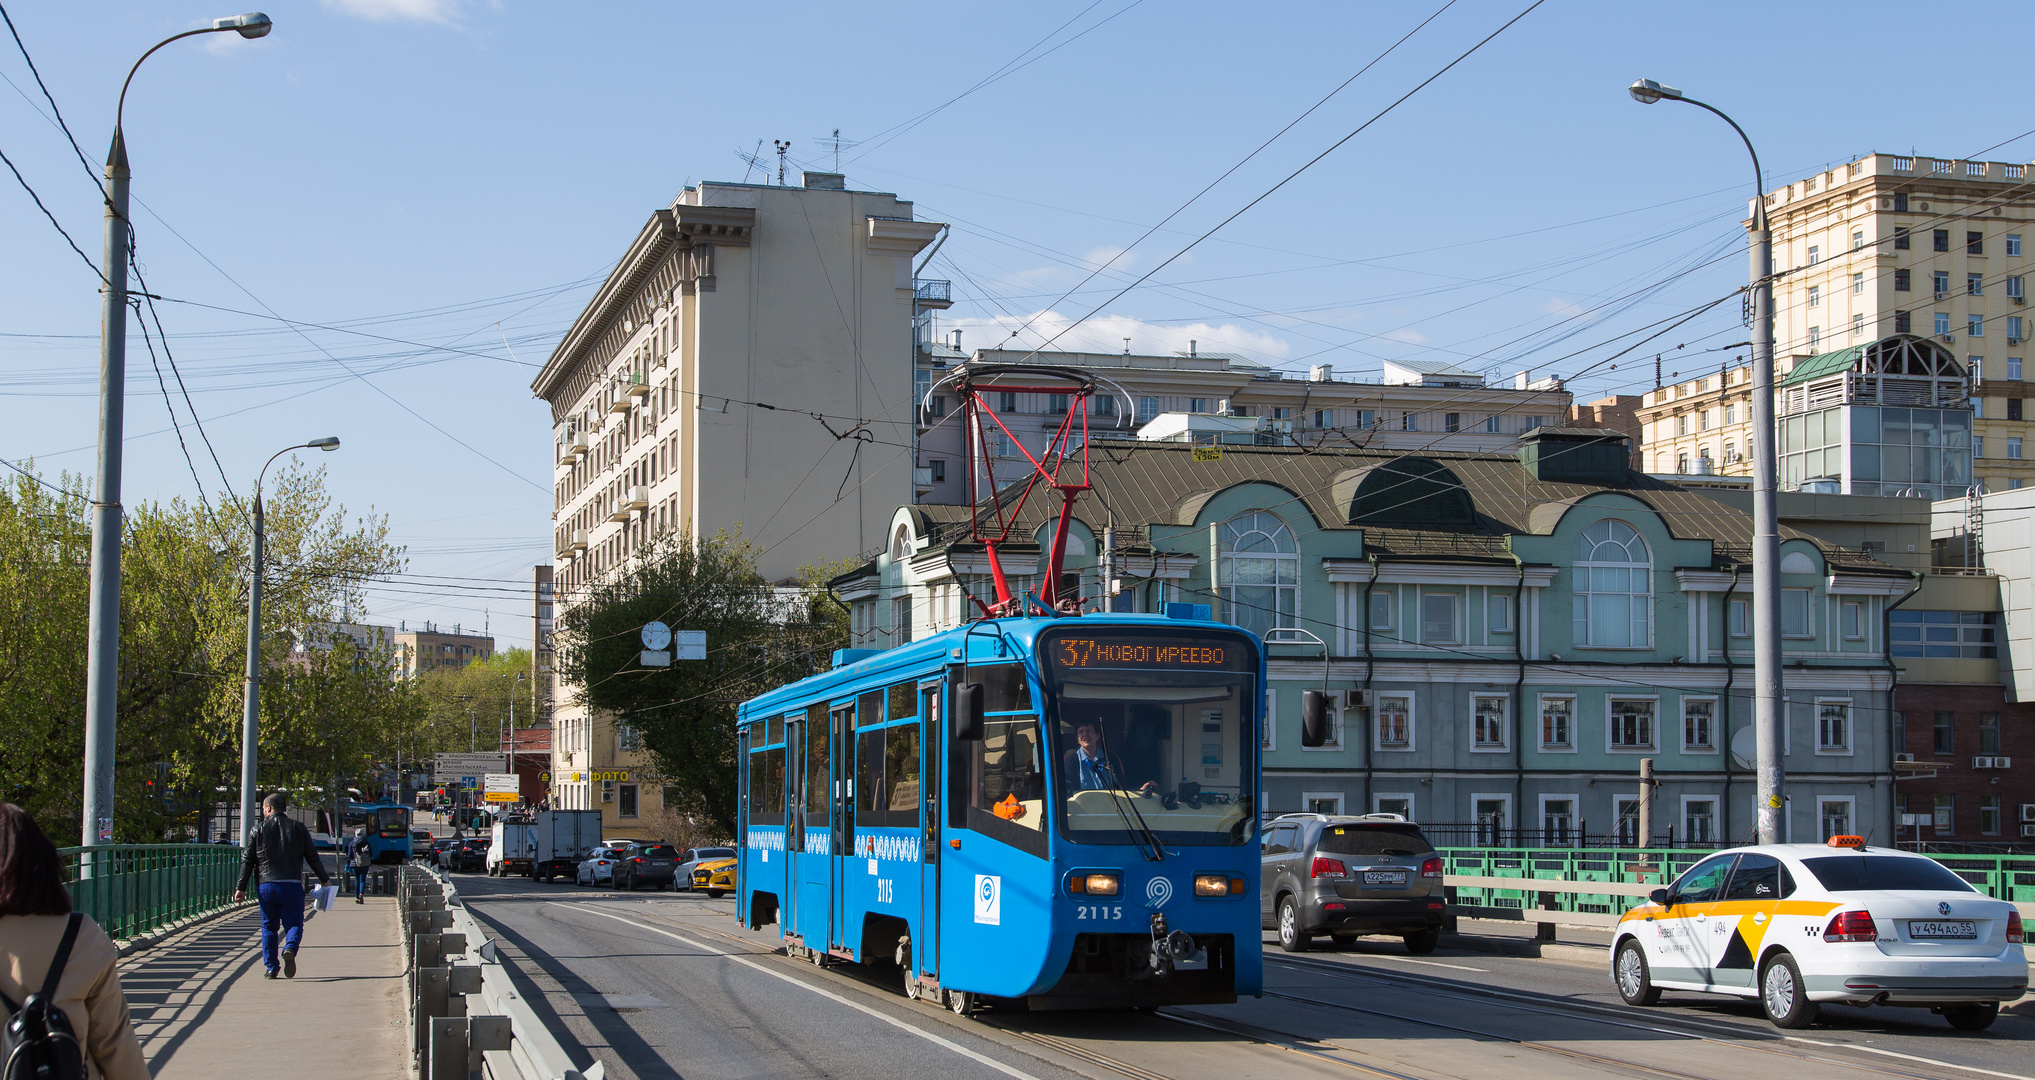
point(251, 701)
point(102, 647)
point(1768, 698)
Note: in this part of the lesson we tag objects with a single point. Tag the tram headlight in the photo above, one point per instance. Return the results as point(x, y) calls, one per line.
point(1217, 885)
point(1094, 884)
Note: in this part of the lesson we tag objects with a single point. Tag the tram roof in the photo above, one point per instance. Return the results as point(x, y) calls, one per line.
point(929, 654)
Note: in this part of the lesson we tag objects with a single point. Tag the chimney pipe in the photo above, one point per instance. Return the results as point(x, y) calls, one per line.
point(1192, 347)
point(957, 341)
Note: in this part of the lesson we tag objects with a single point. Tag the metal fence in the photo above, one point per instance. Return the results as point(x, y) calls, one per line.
point(2001, 876)
point(131, 889)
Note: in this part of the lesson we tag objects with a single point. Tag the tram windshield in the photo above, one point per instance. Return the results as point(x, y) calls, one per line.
point(1153, 734)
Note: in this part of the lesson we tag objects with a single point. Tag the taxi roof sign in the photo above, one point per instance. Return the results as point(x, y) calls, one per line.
point(1846, 841)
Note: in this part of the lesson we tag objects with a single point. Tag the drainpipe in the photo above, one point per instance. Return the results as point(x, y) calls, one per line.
point(1370, 666)
point(1730, 676)
point(1893, 681)
point(1519, 691)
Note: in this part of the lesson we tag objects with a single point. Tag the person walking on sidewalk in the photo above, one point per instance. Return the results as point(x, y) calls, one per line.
point(36, 925)
point(279, 846)
point(358, 859)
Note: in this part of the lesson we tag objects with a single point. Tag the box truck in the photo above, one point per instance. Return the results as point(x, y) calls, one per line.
point(563, 839)
point(512, 848)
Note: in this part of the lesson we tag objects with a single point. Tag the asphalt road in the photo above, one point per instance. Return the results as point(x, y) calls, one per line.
point(667, 985)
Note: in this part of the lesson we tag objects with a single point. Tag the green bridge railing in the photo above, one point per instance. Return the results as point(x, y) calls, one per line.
point(131, 889)
point(2003, 877)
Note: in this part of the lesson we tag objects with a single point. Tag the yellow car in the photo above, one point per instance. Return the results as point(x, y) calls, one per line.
point(717, 877)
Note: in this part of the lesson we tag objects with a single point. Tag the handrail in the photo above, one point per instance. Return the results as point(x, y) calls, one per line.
point(134, 889)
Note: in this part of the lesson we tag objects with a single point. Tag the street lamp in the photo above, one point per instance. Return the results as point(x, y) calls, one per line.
point(102, 640)
point(251, 702)
point(1766, 538)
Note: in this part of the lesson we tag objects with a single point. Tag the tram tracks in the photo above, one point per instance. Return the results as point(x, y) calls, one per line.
point(1684, 1029)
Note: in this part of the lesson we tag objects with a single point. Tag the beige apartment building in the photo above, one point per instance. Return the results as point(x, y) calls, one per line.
point(432, 648)
point(746, 366)
point(1885, 247)
point(1413, 406)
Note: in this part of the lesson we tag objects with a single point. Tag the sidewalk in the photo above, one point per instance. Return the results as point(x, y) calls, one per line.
point(203, 1010)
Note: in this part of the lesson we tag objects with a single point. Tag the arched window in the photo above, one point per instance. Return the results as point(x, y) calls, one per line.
point(901, 544)
point(1260, 572)
point(1613, 587)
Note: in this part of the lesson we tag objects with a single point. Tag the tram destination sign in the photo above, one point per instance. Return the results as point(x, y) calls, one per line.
point(1199, 651)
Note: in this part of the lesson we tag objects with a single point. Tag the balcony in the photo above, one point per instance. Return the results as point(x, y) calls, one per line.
point(571, 449)
point(578, 541)
point(922, 479)
point(632, 388)
point(639, 499)
point(620, 512)
point(933, 293)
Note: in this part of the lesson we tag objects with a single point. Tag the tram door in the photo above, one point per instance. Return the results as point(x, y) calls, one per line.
point(926, 950)
point(794, 823)
point(816, 854)
point(842, 806)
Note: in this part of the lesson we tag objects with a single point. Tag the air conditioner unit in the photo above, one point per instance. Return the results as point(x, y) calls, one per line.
point(1904, 757)
point(2013, 341)
point(2027, 831)
point(1990, 762)
point(2028, 811)
point(2003, 763)
point(2020, 299)
point(1947, 339)
point(1361, 699)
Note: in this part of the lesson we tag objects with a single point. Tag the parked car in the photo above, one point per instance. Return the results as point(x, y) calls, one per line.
point(716, 876)
point(1797, 925)
point(1347, 876)
point(469, 855)
point(637, 865)
point(691, 858)
point(597, 868)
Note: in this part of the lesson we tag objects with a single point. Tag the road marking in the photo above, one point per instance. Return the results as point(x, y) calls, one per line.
point(830, 995)
point(1410, 960)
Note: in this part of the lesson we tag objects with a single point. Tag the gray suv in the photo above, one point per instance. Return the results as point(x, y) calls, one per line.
point(1347, 876)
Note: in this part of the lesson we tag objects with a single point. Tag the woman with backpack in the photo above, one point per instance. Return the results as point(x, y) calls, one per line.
point(59, 973)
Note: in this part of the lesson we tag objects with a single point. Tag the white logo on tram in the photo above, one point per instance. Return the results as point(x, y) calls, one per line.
point(1158, 892)
point(989, 900)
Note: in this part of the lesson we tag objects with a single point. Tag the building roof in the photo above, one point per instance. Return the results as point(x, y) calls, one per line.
point(1821, 364)
point(1447, 506)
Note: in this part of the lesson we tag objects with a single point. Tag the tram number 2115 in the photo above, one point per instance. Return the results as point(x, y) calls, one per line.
point(885, 891)
point(1100, 912)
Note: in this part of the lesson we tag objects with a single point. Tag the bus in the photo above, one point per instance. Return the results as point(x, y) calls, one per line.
point(1056, 812)
point(388, 829)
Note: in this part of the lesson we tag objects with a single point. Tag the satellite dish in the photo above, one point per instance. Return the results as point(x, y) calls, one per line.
point(1745, 747)
point(656, 636)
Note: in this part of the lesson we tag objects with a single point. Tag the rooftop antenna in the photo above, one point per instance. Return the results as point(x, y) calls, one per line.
point(1126, 346)
point(782, 146)
point(837, 149)
point(755, 161)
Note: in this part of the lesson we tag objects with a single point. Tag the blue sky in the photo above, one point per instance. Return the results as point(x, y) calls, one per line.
point(439, 184)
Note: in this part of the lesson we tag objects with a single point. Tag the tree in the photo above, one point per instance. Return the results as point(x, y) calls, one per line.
point(468, 707)
point(758, 637)
point(182, 651)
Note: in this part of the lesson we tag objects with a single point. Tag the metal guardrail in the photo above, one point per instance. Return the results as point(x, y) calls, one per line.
point(1593, 886)
point(467, 1018)
point(132, 889)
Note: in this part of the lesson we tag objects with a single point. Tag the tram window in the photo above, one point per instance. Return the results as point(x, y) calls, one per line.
point(869, 778)
point(1007, 774)
point(869, 709)
point(903, 701)
point(1004, 687)
point(901, 776)
point(766, 786)
point(819, 779)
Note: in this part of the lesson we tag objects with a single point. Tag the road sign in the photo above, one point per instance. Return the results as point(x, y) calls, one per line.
point(496, 782)
point(466, 769)
point(500, 796)
point(689, 645)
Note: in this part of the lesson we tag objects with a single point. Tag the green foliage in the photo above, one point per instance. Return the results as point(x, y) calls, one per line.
point(183, 627)
point(758, 637)
point(468, 707)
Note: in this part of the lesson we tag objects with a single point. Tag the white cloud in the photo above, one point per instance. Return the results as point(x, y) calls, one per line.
point(1410, 337)
point(1106, 333)
point(431, 11)
point(1102, 256)
point(1557, 306)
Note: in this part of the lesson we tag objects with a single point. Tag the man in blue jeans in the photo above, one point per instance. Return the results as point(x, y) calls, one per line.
point(279, 846)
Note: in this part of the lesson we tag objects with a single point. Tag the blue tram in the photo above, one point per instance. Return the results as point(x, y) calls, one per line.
point(388, 829)
point(1054, 811)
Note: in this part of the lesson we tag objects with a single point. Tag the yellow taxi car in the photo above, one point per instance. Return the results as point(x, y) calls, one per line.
point(716, 877)
point(1800, 925)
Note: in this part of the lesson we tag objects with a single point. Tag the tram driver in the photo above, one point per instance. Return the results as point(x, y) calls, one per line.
point(1088, 767)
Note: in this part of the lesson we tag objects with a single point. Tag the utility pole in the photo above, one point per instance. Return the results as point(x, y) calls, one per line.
point(1645, 802)
point(1769, 701)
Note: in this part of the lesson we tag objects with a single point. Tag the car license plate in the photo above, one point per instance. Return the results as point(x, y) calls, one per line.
point(1943, 930)
point(1389, 878)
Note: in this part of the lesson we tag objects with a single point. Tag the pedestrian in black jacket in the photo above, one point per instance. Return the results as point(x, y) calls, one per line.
point(279, 846)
